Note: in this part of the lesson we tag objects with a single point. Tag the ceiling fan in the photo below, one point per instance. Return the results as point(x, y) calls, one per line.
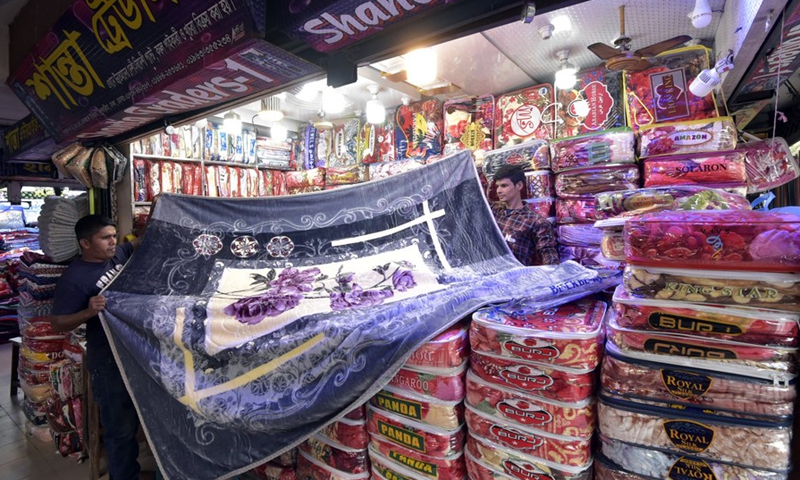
point(620, 56)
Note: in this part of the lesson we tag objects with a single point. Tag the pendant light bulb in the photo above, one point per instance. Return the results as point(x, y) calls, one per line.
point(421, 66)
point(701, 15)
point(376, 110)
point(565, 76)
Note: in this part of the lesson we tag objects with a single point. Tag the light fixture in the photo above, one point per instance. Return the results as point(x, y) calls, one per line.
point(546, 31)
point(376, 111)
point(278, 132)
point(169, 129)
point(565, 76)
point(561, 23)
point(333, 101)
point(271, 109)
point(701, 15)
point(232, 123)
point(322, 123)
point(405, 100)
point(528, 11)
point(310, 91)
point(202, 123)
point(421, 66)
point(709, 78)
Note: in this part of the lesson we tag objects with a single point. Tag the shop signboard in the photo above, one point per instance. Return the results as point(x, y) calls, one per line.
point(781, 51)
point(110, 66)
point(30, 169)
point(330, 25)
point(22, 136)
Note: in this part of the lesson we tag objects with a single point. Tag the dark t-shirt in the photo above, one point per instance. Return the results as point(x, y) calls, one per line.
point(81, 281)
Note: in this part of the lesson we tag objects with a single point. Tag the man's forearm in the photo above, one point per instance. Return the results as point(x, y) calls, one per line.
point(66, 323)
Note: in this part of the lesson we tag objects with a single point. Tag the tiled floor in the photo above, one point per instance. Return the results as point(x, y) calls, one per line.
point(22, 457)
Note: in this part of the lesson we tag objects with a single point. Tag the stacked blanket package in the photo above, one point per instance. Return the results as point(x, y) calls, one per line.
point(416, 424)
point(57, 226)
point(698, 377)
point(530, 406)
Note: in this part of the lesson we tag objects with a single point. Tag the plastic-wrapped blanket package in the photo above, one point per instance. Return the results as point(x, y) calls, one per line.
point(419, 437)
point(385, 469)
point(660, 94)
point(724, 240)
point(576, 419)
point(350, 433)
point(578, 210)
point(335, 455)
point(520, 465)
point(304, 181)
point(657, 464)
point(676, 380)
point(595, 103)
point(739, 288)
point(392, 455)
point(592, 150)
point(481, 471)
point(418, 130)
point(450, 349)
point(273, 471)
point(539, 183)
point(612, 245)
point(691, 137)
point(769, 164)
point(66, 377)
point(469, 125)
point(681, 197)
point(743, 442)
point(544, 380)
point(574, 452)
point(589, 181)
point(524, 115)
point(579, 234)
point(569, 335)
point(748, 325)
point(378, 171)
point(344, 175)
point(35, 412)
point(377, 142)
point(309, 468)
point(442, 383)
point(605, 470)
point(718, 170)
point(531, 155)
point(588, 256)
point(447, 415)
point(542, 206)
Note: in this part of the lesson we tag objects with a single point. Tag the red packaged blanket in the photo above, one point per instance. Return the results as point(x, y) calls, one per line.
point(523, 115)
point(450, 349)
point(419, 437)
point(719, 170)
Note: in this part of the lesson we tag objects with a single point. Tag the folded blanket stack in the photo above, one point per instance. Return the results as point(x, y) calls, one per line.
point(57, 226)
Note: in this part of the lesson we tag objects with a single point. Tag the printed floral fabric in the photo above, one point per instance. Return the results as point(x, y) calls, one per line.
point(289, 312)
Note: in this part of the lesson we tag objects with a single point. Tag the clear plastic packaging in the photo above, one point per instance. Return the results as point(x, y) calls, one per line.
point(769, 164)
point(679, 197)
point(574, 452)
point(605, 470)
point(442, 383)
point(677, 380)
point(593, 149)
point(588, 256)
point(532, 155)
point(540, 379)
point(542, 206)
point(419, 437)
point(520, 465)
point(539, 183)
point(469, 125)
point(579, 234)
point(450, 349)
point(657, 464)
point(383, 468)
point(578, 210)
point(726, 168)
point(420, 408)
point(350, 433)
point(524, 115)
point(422, 116)
point(335, 455)
point(309, 468)
point(724, 240)
point(273, 471)
point(748, 325)
point(480, 471)
point(780, 291)
point(737, 441)
point(692, 137)
point(567, 419)
point(613, 246)
point(676, 344)
point(569, 335)
point(448, 468)
point(590, 181)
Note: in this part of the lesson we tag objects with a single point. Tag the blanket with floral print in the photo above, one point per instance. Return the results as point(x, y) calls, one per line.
point(243, 326)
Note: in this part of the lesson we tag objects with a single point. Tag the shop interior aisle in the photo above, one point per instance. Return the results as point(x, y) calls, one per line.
point(22, 457)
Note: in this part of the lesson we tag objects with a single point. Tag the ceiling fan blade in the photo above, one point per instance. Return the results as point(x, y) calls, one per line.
point(603, 51)
point(659, 47)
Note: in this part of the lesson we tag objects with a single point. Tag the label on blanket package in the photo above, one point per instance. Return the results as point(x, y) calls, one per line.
point(690, 138)
point(666, 321)
point(406, 408)
point(427, 468)
point(513, 438)
point(526, 378)
point(525, 470)
point(690, 469)
point(530, 348)
point(671, 101)
point(389, 474)
point(524, 412)
point(689, 436)
point(668, 347)
point(685, 384)
point(403, 437)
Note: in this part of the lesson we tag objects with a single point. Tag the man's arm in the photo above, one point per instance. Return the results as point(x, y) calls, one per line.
point(66, 323)
point(545, 239)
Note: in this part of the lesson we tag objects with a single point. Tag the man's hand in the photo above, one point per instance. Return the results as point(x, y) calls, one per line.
point(97, 304)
